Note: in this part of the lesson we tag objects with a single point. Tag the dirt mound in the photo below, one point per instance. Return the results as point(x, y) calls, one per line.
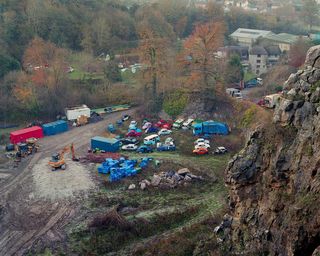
point(60, 184)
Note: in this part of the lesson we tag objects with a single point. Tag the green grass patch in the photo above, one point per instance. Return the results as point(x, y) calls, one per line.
point(80, 75)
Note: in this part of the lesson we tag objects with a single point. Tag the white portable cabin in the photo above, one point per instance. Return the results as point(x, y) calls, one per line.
point(271, 101)
point(75, 112)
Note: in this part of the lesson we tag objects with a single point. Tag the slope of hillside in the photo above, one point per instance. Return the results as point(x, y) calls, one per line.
point(274, 182)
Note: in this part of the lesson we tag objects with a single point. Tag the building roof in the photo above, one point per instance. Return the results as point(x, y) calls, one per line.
point(283, 38)
point(250, 33)
point(273, 50)
point(256, 50)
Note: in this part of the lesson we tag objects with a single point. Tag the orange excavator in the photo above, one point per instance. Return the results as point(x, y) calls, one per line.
point(57, 160)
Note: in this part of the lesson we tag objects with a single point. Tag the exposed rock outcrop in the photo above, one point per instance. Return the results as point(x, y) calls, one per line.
point(274, 181)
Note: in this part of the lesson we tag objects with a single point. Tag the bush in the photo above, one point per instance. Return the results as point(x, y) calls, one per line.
point(248, 116)
point(175, 103)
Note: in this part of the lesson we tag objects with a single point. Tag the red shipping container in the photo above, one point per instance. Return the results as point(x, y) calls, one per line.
point(22, 135)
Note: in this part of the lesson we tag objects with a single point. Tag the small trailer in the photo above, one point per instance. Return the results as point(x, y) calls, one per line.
point(75, 112)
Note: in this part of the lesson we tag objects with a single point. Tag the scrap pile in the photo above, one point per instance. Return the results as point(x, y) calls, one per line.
point(99, 158)
point(170, 179)
point(122, 168)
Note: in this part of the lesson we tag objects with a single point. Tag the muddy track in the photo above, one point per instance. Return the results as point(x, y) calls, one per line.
point(26, 220)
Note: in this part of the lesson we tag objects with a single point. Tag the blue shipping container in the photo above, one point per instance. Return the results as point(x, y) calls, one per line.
point(55, 127)
point(106, 144)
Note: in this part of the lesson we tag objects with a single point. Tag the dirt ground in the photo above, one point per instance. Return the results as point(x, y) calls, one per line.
point(60, 184)
point(35, 203)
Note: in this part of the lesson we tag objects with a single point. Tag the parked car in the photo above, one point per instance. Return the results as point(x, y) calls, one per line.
point(151, 140)
point(200, 151)
point(178, 123)
point(152, 129)
point(132, 127)
point(163, 124)
point(202, 145)
point(164, 132)
point(130, 147)
point(201, 140)
point(111, 128)
point(188, 122)
point(144, 149)
point(134, 122)
point(220, 150)
point(169, 141)
point(146, 125)
point(125, 118)
point(133, 134)
point(127, 141)
point(166, 148)
point(160, 123)
point(167, 125)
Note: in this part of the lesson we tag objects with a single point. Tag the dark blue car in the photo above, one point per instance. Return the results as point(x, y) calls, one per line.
point(152, 129)
point(166, 148)
point(144, 149)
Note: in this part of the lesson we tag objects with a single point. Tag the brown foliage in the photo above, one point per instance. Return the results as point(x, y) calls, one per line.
point(110, 219)
point(200, 46)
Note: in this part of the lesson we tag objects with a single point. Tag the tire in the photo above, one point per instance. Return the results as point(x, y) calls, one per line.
point(63, 167)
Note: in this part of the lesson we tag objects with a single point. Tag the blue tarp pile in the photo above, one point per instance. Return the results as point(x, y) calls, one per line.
point(119, 169)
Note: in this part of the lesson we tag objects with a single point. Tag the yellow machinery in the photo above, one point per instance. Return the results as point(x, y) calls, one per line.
point(25, 149)
point(57, 160)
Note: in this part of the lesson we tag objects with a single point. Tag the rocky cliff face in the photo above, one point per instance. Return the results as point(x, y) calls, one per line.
point(274, 181)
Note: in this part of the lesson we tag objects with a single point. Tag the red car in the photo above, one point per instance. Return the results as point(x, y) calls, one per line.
point(163, 124)
point(134, 134)
point(201, 151)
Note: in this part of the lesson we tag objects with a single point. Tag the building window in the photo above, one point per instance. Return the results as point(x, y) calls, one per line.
point(258, 66)
point(259, 55)
point(258, 61)
point(257, 71)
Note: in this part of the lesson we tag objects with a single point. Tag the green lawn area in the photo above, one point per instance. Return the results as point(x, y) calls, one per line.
point(80, 75)
point(129, 78)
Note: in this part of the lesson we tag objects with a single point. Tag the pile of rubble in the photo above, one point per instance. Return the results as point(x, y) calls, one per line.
point(169, 179)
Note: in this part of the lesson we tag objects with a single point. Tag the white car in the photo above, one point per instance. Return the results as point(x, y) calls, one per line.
point(130, 147)
point(220, 150)
point(146, 125)
point(178, 123)
point(164, 132)
point(133, 122)
point(202, 145)
point(201, 140)
point(169, 141)
point(188, 122)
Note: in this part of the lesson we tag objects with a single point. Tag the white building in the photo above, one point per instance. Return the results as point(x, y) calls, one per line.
point(258, 60)
point(247, 37)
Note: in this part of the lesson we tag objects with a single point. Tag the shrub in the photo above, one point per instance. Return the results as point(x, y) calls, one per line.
point(175, 103)
point(248, 116)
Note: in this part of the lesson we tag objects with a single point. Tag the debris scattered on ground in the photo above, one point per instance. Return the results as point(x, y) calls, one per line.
point(99, 158)
point(170, 179)
point(132, 186)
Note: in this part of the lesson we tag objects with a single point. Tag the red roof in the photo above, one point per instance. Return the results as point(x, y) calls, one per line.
point(23, 131)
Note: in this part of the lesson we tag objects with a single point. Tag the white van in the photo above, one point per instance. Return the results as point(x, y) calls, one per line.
point(188, 122)
point(151, 140)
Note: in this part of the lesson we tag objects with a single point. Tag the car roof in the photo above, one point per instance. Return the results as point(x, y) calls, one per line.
point(151, 136)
